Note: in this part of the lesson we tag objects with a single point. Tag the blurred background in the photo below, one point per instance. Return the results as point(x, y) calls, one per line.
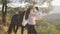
point(49, 24)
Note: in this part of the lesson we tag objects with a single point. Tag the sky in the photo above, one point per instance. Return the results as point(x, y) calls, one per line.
point(56, 3)
point(16, 3)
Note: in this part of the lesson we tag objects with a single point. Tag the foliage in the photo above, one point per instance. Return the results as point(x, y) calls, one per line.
point(44, 27)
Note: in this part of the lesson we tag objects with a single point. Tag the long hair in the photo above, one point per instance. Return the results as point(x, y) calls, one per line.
point(28, 12)
point(37, 8)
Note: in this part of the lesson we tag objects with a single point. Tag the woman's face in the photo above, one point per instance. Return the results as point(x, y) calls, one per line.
point(31, 10)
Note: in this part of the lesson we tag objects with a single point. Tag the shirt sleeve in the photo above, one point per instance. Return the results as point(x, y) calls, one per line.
point(38, 16)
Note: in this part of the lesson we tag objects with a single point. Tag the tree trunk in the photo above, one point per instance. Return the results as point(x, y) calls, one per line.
point(4, 11)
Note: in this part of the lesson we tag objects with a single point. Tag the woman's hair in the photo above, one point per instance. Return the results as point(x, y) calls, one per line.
point(28, 12)
point(37, 8)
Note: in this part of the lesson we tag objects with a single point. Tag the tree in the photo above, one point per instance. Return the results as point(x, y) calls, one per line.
point(4, 11)
point(41, 2)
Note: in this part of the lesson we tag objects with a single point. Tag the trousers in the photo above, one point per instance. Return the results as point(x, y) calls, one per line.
point(31, 29)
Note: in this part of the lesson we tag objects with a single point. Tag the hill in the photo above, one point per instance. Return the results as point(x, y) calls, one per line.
point(55, 18)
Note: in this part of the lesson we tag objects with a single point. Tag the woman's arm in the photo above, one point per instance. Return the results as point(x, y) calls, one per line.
point(39, 16)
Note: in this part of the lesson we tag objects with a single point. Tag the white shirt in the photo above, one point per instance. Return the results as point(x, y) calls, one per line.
point(32, 18)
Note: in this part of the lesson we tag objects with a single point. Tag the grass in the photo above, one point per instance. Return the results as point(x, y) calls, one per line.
point(19, 31)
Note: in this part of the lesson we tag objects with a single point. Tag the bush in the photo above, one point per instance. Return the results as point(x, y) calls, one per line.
point(44, 27)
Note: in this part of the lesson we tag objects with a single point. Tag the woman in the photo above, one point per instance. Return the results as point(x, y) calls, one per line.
point(33, 16)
